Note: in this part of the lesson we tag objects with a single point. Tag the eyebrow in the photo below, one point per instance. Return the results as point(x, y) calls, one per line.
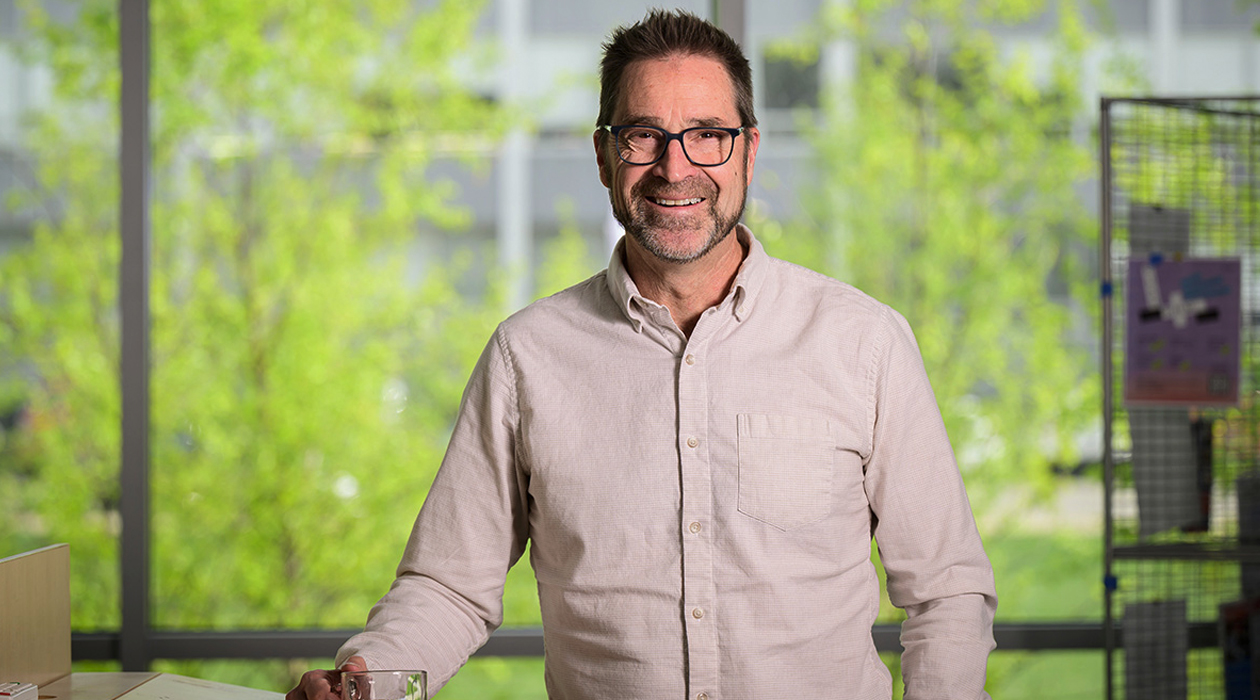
point(646, 120)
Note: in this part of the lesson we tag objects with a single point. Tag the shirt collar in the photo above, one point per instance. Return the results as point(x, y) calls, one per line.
point(748, 281)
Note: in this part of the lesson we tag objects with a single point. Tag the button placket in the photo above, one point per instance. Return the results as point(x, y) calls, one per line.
point(697, 510)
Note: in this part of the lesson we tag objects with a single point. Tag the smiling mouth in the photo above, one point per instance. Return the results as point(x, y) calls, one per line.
point(676, 202)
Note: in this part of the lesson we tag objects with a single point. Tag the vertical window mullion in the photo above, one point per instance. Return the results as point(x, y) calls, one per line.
point(133, 304)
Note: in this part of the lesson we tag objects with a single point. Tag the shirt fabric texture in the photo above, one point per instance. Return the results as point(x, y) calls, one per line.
point(700, 510)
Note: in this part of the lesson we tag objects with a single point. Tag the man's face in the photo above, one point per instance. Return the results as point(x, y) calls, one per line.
point(675, 210)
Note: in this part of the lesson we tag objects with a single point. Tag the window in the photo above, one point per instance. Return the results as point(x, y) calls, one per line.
point(59, 334)
point(346, 201)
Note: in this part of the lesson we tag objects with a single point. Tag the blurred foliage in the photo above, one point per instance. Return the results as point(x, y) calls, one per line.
point(567, 258)
point(947, 183)
point(305, 376)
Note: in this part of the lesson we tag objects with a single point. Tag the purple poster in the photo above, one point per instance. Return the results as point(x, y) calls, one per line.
point(1183, 331)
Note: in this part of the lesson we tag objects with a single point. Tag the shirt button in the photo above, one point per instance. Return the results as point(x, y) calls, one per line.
point(695, 528)
point(702, 696)
point(697, 613)
point(691, 359)
point(692, 442)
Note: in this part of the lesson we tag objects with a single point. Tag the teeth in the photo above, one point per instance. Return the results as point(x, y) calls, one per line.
point(678, 202)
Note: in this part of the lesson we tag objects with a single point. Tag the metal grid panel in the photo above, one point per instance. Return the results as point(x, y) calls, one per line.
point(1180, 182)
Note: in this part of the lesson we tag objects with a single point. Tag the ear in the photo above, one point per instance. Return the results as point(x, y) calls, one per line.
point(754, 139)
point(605, 174)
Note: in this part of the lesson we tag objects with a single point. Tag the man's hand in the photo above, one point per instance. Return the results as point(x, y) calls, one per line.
point(324, 684)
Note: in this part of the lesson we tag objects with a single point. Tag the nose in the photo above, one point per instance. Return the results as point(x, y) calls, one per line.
point(673, 165)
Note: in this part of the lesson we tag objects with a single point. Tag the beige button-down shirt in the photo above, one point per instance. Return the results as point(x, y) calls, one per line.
point(700, 509)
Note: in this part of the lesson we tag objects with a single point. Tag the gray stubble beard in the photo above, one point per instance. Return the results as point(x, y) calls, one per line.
point(642, 227)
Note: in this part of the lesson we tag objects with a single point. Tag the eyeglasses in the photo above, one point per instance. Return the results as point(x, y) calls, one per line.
point(705, 146)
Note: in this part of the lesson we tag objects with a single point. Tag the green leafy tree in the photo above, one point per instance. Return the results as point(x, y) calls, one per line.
point(303, 381)
point(947, 184)
point(304, 385)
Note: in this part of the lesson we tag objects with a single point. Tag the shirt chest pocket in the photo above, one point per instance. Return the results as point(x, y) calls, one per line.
point(786, 469)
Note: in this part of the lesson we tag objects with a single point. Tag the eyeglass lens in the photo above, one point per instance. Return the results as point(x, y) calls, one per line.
point(644, 145)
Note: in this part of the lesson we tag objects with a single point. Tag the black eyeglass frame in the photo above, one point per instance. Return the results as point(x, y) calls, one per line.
point(616, 129)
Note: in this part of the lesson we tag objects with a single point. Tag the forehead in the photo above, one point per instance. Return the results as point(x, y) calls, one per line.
point(685, 89)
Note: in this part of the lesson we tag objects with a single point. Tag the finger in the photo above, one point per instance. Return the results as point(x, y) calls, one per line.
point(315, 685)
point(354, 663)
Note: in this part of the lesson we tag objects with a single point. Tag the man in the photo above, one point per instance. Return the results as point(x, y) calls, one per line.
point(700, 443)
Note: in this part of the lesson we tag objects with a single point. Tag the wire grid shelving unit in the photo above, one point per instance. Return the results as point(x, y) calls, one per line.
point(1180, 181)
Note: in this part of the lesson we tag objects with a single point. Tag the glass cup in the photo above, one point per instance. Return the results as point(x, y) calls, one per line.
point(384, 685)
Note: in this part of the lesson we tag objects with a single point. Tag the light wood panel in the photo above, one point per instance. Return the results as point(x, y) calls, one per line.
point(146, 686)
point(35, 616)
point(94, 686)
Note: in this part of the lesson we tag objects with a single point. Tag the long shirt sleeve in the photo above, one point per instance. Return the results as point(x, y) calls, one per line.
point(447, 596)
point(937, 570)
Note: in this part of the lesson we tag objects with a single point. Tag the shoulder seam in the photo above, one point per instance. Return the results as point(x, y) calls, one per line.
point(509, 364)
point(878, 357)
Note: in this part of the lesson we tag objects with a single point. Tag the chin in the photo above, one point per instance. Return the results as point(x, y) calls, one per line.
point(697, 244)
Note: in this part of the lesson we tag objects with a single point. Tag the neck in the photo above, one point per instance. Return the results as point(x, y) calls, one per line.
point(686, 289)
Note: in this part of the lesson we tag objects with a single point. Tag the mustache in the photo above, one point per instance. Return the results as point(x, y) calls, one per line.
point(686, 189)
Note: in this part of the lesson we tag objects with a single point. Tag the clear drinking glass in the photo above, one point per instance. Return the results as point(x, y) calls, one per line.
point(384, 685)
